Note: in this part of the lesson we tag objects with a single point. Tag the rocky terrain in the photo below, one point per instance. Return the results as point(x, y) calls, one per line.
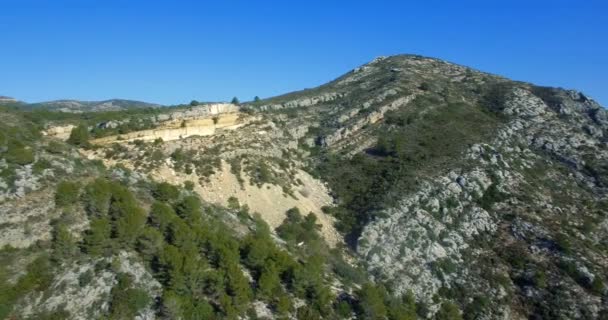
point(407, 188)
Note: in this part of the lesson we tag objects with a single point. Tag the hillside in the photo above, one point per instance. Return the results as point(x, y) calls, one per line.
point(91, 106)
point(407, 188)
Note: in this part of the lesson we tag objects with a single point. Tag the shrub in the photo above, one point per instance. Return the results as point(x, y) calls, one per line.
point(188, 185)
point(126, 300)
point(79, 136)
point(96, 197)
point(40, 166)
point(189, 209)
point(64, 245)
point(97, 238)
point(85, 278)
point(233, 203)
point(67, 193)
point(18, 153)
point(496, 95)
point(165, 192)
point(490, 196)
point(161, 216)
point(371, 302)
point(448, 311)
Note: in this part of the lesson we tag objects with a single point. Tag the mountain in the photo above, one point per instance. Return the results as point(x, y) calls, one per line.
point(409, 187)
point(92, 106)
point(4, 99)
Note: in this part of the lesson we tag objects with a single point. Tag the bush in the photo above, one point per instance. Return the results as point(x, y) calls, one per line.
point(67, 193)
point(189, 209)
point(126, 300)
point(295, 229)
point(19, 154)
point(64, 244)
point(96, 197)
point(371, 302)
point(85, 278)
point(97, 238)
point(233, 203)
point(490, 196)
point(79, 136)
point(189, 185)
point(165, 192)
point(496, 96)
point(448, 311)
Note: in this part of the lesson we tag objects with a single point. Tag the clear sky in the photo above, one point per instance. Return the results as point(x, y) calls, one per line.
point(175, 51)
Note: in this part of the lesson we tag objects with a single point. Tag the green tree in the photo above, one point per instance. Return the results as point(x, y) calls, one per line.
point(269, 283)
point(189, 185)
point(126, 300)
point(233, 203)
point(161, 216)
point(128, 217)
point(19, 153)
point(189, 209)
point(96, 197)
point(64, 245)
point(371, 302)
point(130, 224)
point(448, 311)
point(597, 285)
point(237, 285)
point(235, 100)
point(67, 193)
point(198, 309)
point(194, 103)
point(97, 238)
point(79, 136)
point(165, 192)
point(150, 243)
point(282, 304)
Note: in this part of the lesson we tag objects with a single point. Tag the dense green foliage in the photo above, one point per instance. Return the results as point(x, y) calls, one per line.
point(126, 300)
point(67, 193)
point(37, 278)
point(197, 259)
point(79, 136)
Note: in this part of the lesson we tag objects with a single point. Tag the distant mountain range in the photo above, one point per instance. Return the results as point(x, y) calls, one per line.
point(83, 106)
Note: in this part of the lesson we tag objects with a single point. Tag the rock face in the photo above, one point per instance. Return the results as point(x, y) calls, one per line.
point(200, 111)
point(183, 127)
point(371, 118)
point(86, 300)
point(303, 102)
point(431, 241)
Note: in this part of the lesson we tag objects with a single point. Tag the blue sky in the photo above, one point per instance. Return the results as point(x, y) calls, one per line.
point(175, 51)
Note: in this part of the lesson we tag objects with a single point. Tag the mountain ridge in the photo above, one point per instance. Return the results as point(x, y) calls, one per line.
point(409, 187)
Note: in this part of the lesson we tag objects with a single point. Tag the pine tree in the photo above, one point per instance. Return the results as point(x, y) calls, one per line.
point(64, 245)
point(79, 136)
point(97, 238)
